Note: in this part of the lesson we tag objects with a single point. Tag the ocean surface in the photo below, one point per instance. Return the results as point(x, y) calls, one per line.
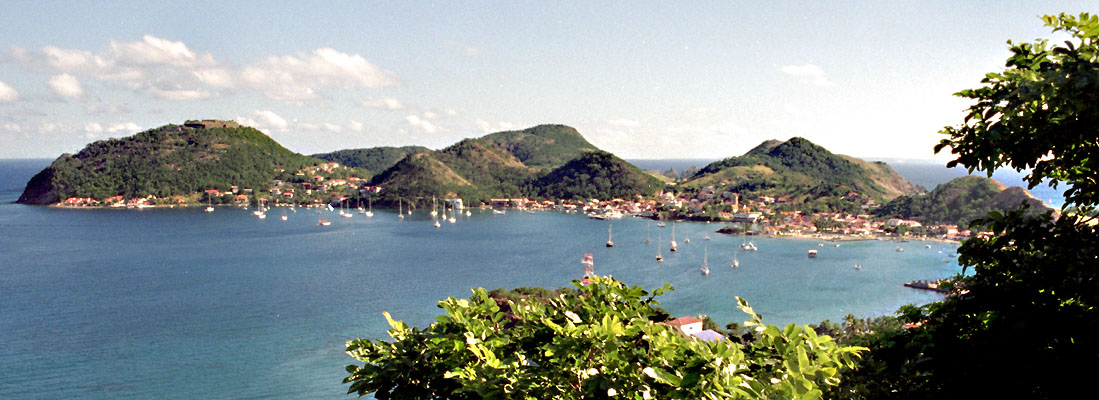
point(180, 303)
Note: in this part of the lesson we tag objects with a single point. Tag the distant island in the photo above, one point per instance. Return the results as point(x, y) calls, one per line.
point(793, 186)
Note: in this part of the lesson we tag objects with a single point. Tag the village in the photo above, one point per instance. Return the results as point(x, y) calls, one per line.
point(332, 184)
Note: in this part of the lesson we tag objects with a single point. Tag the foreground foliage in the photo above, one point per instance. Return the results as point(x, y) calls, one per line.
point(601, 342)
point(1024, 324)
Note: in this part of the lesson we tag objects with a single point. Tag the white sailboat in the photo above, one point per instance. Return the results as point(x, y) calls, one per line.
point(435, 214)
point(452, 219)
point(400, 212)
point(610, 240)
point(674, 244)
point(370, 212)
point(705, 261)
point(736, 262)
point(344, 213)
point(659, 238)
point(209, 204)
point(647, 226)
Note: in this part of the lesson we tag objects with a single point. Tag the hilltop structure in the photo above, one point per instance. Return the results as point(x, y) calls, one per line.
point(210, 124)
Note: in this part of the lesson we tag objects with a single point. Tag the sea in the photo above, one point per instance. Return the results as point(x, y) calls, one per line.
point(184, 304)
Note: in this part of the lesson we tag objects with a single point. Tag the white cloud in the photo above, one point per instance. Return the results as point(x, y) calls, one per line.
point(264, 119)
point(355, 126)
point(808, 73)
point(328, 126)
point(384, 103)
point(306, 126)
point(123, 127)
point(489, 127)
point(48, 127)
point(626, 123)
point(451, 112)
point(470, 50)
point(171, 70)
point(152, 50)
point(7, 93)
point(430, 115)
point(66, 86)
point(421, 123)
point(93, 127)
point(100, 109)
point(295, 78)
point(12, 127)
point(216, 77)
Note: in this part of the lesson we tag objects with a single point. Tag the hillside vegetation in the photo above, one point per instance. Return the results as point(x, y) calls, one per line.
point(374, 159)
point(805, 175)
point(960, 201)
point(596, 175)
point(552, 161)
point(165, 161)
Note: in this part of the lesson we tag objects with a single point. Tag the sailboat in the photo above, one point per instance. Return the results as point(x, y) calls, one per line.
point(736, 262)
point(610, 241)
point(434, 213)
point(261, 212)
point(452, 219)
point(674, 244)
point(284, 214)
point(400, 212)
point(323, 222)
point(370, 212)
point(705, 261)
point(343, 213)
point(659, 238)
point(210, 204)
point(468, 213)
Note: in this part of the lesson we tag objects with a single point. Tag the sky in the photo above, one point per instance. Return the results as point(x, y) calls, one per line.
point(643, 80)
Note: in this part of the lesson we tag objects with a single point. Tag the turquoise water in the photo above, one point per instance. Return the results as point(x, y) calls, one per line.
point(179, 303)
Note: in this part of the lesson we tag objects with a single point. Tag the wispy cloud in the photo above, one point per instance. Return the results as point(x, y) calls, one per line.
point(808, 73)
point(382, 103)
point(489, 127)
point(7, 93)
point(171, 70)
point(296, 78)
point(264, 119)
point(66, 86)
point(625, 123)
point(469, 50)
point(421, 123)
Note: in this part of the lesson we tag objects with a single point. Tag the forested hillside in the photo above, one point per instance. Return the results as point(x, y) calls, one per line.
point(169, 160)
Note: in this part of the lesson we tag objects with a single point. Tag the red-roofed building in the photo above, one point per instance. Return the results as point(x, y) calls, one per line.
point(687, 325)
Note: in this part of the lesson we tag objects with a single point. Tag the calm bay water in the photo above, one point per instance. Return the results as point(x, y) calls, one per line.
point(179, 303)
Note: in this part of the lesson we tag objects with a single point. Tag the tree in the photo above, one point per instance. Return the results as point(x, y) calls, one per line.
point(1024, 324)
point(603, 341)
point(1039, 113)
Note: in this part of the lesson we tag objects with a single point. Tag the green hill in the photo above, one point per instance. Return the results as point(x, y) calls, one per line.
point(374, 159)
point(596, 174)
point(502, 164)
point(805, 175)
point(959, 202)
point(543, 146)
point(165, 161)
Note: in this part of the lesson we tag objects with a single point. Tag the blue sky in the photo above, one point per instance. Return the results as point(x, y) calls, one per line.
point(647, 80)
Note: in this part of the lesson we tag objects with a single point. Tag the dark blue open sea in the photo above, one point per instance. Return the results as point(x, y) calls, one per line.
point(180, 303)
